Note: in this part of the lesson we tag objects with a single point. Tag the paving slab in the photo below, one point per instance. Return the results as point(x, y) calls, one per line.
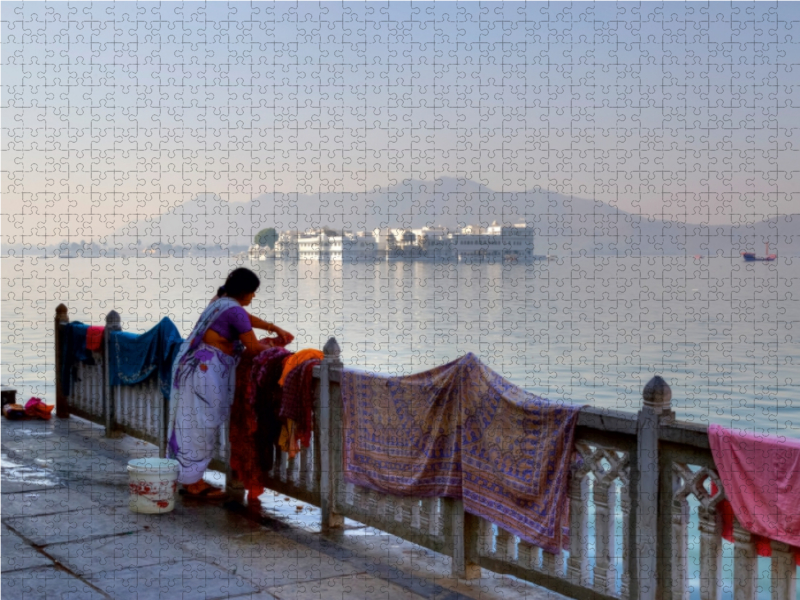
point(269, 559)
point(43, 502)
point(72, 526)
point(394, 559)
point(16, 553)
point(190, 579)
point(138, 549)
point(200, 522)
point(359, 586)
point(46, 584)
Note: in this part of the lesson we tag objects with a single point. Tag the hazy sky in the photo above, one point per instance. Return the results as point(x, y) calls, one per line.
point(116, 111)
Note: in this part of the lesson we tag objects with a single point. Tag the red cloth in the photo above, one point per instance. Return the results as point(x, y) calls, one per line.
point(763, 547)
point(94, 337)
point(254, 424)
point(761, 476)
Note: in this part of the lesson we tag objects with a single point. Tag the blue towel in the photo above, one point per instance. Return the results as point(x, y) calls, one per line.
point(73, 350)
point(133, 358)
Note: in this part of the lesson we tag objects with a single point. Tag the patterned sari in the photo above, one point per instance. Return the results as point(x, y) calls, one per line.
point(203, 384)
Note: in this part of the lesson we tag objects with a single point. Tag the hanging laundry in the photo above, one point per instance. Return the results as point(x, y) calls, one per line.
point(761, 478)
point(94, 337)
point(73, 351)
point(132, 358)
point(297, 401)
point(463, 431)
point(255, 427)
point(296, 359)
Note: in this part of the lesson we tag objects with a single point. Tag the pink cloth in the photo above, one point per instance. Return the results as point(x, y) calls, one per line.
point(94, 337)
point(761, 476)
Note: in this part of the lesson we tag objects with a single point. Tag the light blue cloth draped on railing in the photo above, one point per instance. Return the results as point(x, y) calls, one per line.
point(135, 357)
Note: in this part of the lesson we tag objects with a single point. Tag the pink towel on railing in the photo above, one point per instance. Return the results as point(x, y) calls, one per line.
point(94, 337)
point(761, 476)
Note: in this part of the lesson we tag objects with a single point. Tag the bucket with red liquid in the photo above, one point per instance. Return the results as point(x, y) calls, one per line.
point(152, 483)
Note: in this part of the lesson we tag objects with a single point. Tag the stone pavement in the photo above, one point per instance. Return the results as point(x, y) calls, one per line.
point(67, 533)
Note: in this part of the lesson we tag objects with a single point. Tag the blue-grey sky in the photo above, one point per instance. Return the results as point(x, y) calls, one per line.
point(113, 111)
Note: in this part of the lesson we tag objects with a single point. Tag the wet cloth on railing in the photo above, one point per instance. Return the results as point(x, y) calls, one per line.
point(761, 478)
point(73, 351)
point(463, 431)
point(255, 426)
point(94, 337)
point(297, 401)
point(133, 357)
point(297, 359)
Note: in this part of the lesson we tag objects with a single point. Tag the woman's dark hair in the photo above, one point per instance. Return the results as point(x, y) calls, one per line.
point(239, 283)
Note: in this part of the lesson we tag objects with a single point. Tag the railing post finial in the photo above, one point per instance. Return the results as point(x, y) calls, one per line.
point(114, 321)
point(331, 350)
point(657, 395)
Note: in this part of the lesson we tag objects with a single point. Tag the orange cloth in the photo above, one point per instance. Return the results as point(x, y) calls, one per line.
point(296, 359)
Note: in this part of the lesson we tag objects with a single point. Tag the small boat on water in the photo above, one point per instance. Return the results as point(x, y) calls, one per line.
point(751, 256)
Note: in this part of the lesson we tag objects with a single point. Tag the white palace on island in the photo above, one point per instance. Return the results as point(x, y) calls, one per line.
point(494, 243)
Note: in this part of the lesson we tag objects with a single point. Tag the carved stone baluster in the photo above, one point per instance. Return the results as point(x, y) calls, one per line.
point(415, 516)
point(505, 543)
point(604, 536)
point(577, 565)
point(305, 456)
point(380, 509)
point(403, 510)
point(426, 515)
point(744, 564)
point(525, 555)
point(784, 572)
point(710, 554)
point(485, 538)
point(680, 545)
point(625, 508)
point(553, 564)
point(284, 461)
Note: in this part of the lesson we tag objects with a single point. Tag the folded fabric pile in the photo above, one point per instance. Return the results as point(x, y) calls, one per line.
point(463, 431)
point(761, 478)
point(34, 408)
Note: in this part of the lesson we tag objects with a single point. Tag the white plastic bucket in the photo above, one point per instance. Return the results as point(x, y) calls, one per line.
point(152, 484)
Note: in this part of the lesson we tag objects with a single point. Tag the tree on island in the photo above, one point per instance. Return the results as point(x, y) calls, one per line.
point(266, 237)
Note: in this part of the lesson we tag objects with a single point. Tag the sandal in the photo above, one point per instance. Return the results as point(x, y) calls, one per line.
point(209, 492)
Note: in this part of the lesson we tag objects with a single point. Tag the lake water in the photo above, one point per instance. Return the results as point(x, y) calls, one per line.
point(722, 332)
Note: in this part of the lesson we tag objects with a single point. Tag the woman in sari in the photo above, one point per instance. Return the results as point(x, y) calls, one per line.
point(204, 377)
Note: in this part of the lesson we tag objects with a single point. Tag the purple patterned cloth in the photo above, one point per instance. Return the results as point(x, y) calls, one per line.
point(463, 431)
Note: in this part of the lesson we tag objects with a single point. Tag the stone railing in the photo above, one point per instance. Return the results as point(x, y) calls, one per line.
point(643, 518)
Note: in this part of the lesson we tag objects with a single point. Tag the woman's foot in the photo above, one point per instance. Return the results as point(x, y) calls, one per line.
point(203, 490)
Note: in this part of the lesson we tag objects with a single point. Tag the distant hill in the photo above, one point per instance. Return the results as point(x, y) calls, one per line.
point(564, 225)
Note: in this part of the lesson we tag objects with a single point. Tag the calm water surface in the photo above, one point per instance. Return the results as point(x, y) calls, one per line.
point(722, 332)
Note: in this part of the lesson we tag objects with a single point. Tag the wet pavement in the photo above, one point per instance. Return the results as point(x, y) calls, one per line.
point(67, 533)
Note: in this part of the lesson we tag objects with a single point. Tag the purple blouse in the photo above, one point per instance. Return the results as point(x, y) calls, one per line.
point(232, 323)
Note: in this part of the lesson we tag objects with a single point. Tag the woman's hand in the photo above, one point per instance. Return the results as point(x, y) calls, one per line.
point(283, 338)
